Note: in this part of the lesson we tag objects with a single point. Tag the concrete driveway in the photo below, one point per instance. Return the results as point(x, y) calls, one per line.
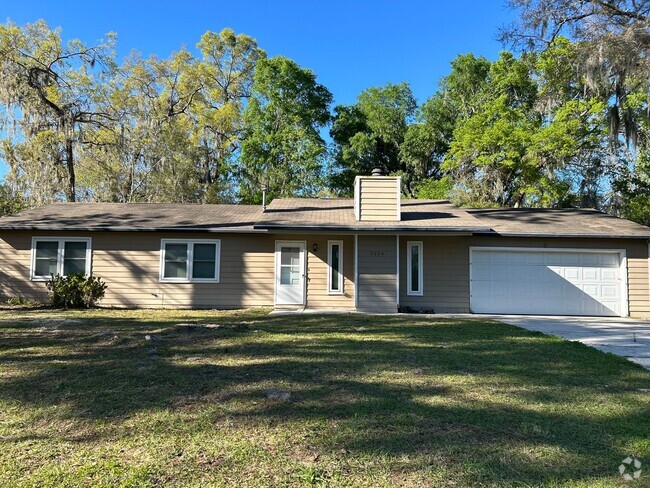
point(624, 337)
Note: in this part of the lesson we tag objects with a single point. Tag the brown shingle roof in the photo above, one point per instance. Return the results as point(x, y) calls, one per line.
point(562, 222)
point(321, 214)
point(136, 217)
point(338, 214)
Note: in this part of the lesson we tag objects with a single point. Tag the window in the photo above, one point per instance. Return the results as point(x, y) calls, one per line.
point(414, 267)
point(335, 267)
point(187, 261)
point(290, 269)
point(59, 256)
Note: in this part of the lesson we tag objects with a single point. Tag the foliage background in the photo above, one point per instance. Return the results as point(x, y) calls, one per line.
point(548, 123)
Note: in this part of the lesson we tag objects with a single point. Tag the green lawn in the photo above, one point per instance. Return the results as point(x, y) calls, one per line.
point(87, 399)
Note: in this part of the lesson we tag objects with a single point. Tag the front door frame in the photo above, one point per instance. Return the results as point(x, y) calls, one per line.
point(278, 246)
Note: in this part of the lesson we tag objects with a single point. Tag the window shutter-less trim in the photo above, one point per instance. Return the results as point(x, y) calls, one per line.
point(190, 260)
point(60, 256)
point(414, 268)
point(335, 276)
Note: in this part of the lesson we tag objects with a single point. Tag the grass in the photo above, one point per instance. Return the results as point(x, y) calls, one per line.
point(87, 399)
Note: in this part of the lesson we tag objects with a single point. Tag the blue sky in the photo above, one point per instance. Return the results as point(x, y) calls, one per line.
point(350, 45)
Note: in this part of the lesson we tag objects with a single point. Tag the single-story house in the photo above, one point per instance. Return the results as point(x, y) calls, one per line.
point(374, 252)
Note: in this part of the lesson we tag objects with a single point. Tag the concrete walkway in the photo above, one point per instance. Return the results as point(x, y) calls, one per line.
point(624, 337)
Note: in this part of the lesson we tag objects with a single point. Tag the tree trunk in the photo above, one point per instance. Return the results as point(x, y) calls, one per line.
point(69, 161)
point(206, 173)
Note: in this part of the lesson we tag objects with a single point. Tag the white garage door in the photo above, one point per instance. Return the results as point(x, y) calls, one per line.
point(546, 282)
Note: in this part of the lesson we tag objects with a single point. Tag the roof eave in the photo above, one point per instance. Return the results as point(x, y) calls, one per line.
point(211, 230)
point(352, 228)
point(567, 235)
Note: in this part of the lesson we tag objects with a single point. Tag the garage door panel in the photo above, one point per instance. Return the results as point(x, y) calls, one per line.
point(481, 271)
point(572, 292)
point(528, 290)
point(546, 282)
point(609, 292)
point(514, 274)
point(482, 258)
point(500, 273)
point(591, 290)
point(499, 259)
point(572, 274)
point(591, 308)
point(609, 275)
point(609, 306)
point(482, 288)
point(573, 308)
point(499, 291)
point(538, 273)
point(590, 274)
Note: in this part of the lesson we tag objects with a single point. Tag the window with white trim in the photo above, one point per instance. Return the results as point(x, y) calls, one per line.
point(414, 268)
point(335, 267)
point(190, 261)
point(62, 256)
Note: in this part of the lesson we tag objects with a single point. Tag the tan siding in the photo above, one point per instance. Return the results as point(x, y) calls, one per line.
point(130, 265)
point(446, 269)
point(638, 281)
point(15, 257)
point(317, 269)
point(379, 198)
point(317, 294)
point(377, 274)
point(446, 275)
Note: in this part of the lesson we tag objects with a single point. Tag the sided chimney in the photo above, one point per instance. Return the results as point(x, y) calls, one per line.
point(377, 197)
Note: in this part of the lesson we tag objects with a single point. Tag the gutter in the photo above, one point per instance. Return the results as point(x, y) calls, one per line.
point(349, 228)
point(130, 229)
point(266, 229)
point(566, 236)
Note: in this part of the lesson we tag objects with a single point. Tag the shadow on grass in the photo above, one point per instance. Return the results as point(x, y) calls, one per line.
point(374, 385)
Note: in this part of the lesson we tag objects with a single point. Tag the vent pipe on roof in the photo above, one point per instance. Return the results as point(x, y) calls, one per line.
point(265, 188)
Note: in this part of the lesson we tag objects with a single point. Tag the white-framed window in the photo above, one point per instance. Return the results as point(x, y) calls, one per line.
point(59, 256)
point(190, 260)
point(335, 267)
point(414, 267)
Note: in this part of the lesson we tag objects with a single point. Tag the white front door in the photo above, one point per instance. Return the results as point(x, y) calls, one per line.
point(289, 273)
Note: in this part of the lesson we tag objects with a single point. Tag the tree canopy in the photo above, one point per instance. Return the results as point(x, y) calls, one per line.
point(563, 120)
point(282, 149)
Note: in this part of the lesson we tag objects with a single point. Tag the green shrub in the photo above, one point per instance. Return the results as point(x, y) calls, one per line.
point(76, 290)
point(21, 302)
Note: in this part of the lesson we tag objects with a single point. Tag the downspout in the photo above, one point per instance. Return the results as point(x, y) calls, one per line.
point(356, 270)
point(397, 272)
